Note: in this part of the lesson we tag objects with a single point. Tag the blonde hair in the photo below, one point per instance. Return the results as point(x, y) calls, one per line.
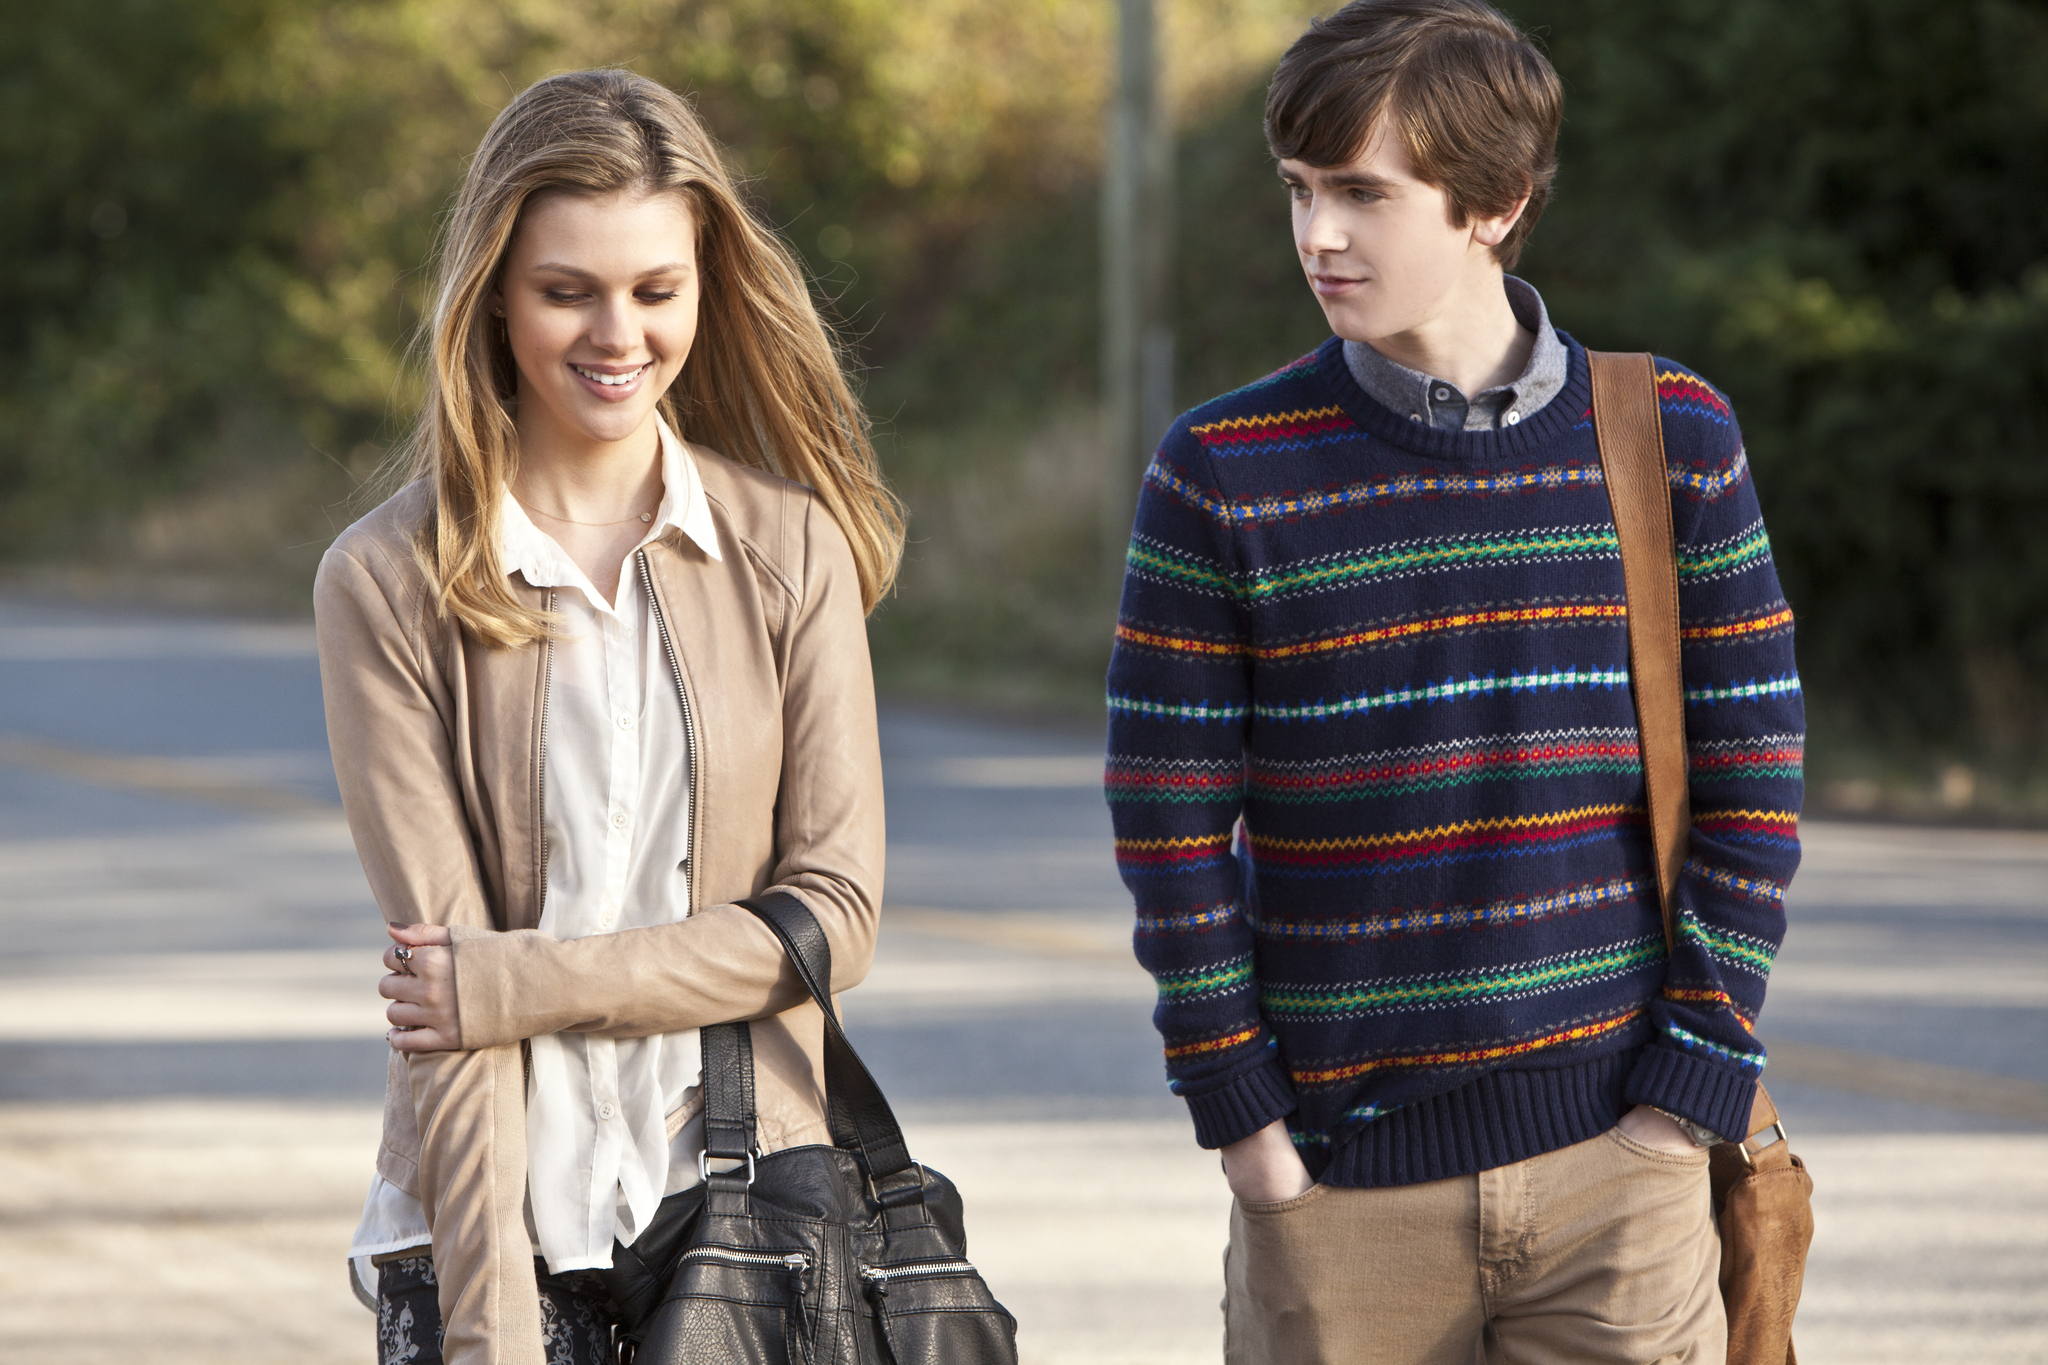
point(763, 384)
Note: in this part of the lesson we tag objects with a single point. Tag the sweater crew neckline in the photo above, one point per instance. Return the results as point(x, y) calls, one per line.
point(1507, 445)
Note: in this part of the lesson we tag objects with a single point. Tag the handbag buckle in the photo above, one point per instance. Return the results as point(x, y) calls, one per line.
point(704, 1166)
point(1771, 1134)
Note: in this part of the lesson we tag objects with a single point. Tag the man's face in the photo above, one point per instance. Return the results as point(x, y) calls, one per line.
point(1378, 245)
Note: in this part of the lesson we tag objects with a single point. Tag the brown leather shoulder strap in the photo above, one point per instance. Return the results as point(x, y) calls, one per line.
point(1631, 437)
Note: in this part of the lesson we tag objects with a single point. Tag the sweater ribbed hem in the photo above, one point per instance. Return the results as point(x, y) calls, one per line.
point(1500, 1118)
point(1244, 1106)
point(1690, 1086)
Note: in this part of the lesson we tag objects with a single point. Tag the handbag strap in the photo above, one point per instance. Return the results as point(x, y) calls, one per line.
point(728, 1057)
point(859, 1115)
point(1631, 437)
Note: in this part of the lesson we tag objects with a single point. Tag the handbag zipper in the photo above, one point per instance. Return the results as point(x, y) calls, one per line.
point(878, 1276)
point(675, 666)
point(793, 1260)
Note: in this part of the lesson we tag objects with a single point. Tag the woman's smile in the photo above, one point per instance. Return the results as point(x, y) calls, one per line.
point(609, 383)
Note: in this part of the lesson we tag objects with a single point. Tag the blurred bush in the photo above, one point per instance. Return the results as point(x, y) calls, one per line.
point(213, 214)
point(1838, 210)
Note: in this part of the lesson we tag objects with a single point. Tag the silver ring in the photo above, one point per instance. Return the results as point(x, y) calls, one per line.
point(404, 954)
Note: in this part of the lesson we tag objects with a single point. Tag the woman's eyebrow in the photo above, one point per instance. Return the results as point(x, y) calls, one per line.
point(579, 273)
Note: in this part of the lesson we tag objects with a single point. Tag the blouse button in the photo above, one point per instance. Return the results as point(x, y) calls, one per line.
point(605, 1111)
point(618, 819)
point(627, 722)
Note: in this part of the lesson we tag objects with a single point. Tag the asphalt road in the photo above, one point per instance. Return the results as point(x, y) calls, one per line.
point(191, 1054)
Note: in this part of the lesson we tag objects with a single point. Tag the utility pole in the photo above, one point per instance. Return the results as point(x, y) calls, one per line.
point(1137, 263)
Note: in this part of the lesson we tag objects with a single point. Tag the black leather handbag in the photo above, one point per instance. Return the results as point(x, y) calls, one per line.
point(852, 1254)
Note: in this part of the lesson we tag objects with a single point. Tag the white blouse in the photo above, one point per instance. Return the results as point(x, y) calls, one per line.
point(601, 1151)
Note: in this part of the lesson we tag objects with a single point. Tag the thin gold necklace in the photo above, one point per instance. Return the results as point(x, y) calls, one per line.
point(556, 516)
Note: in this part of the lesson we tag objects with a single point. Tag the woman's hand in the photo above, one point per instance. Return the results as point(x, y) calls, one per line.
point(421, 989)
point(1264, 1168)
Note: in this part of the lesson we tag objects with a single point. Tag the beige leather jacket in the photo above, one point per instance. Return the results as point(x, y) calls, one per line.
point(437, 741)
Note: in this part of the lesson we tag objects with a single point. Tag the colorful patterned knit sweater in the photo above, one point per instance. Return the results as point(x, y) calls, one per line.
point(1400, 657)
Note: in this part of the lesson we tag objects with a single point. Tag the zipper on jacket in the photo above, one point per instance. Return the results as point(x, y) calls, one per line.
point(792, 1260)
point(675, 667)
point(540, 818)
point(540, 767)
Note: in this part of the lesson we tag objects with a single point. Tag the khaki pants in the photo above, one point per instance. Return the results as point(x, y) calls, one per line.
point(1600, 1252)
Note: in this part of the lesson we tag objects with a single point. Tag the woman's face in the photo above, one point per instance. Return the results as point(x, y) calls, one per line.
point(599, 295)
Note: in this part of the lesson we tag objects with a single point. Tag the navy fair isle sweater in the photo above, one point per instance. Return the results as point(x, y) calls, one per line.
point(1374, 773)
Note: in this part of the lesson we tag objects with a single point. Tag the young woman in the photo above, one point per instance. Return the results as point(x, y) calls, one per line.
point(589, 682)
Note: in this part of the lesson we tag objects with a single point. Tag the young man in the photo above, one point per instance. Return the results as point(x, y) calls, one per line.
point(1374, 611)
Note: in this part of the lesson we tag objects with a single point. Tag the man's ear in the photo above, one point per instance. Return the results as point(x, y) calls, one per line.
point(1491, 232)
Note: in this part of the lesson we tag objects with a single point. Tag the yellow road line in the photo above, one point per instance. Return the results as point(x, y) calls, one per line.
point(166, 776)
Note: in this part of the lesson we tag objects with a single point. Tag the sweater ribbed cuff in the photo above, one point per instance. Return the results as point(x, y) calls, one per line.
point(1247, 1104)
point(1684, 1083)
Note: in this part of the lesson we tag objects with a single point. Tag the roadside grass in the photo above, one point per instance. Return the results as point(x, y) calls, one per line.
point(1004, 599)
point(245, 543)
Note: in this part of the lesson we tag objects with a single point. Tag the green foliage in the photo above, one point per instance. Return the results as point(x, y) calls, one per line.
point(133, 235)
point(213, 213)
point(1838, 210)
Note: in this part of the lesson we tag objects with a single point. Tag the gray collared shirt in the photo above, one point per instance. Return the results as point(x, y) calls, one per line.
point(1438, 403)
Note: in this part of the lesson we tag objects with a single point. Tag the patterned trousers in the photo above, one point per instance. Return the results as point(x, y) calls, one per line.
point(575, 1316)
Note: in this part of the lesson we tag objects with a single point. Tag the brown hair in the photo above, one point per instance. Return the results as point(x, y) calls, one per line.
point(763, 383)
point(1475, 104)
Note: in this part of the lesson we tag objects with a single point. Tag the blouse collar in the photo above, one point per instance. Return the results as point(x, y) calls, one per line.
point(525, 549)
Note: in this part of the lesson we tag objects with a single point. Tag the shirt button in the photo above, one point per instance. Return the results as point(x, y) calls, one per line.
point(608, 918)
point(1442, 395)
point(1415, 417)
point(618, 819)
point(627, 722)
point(605, 1111)
point(1514, 417)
